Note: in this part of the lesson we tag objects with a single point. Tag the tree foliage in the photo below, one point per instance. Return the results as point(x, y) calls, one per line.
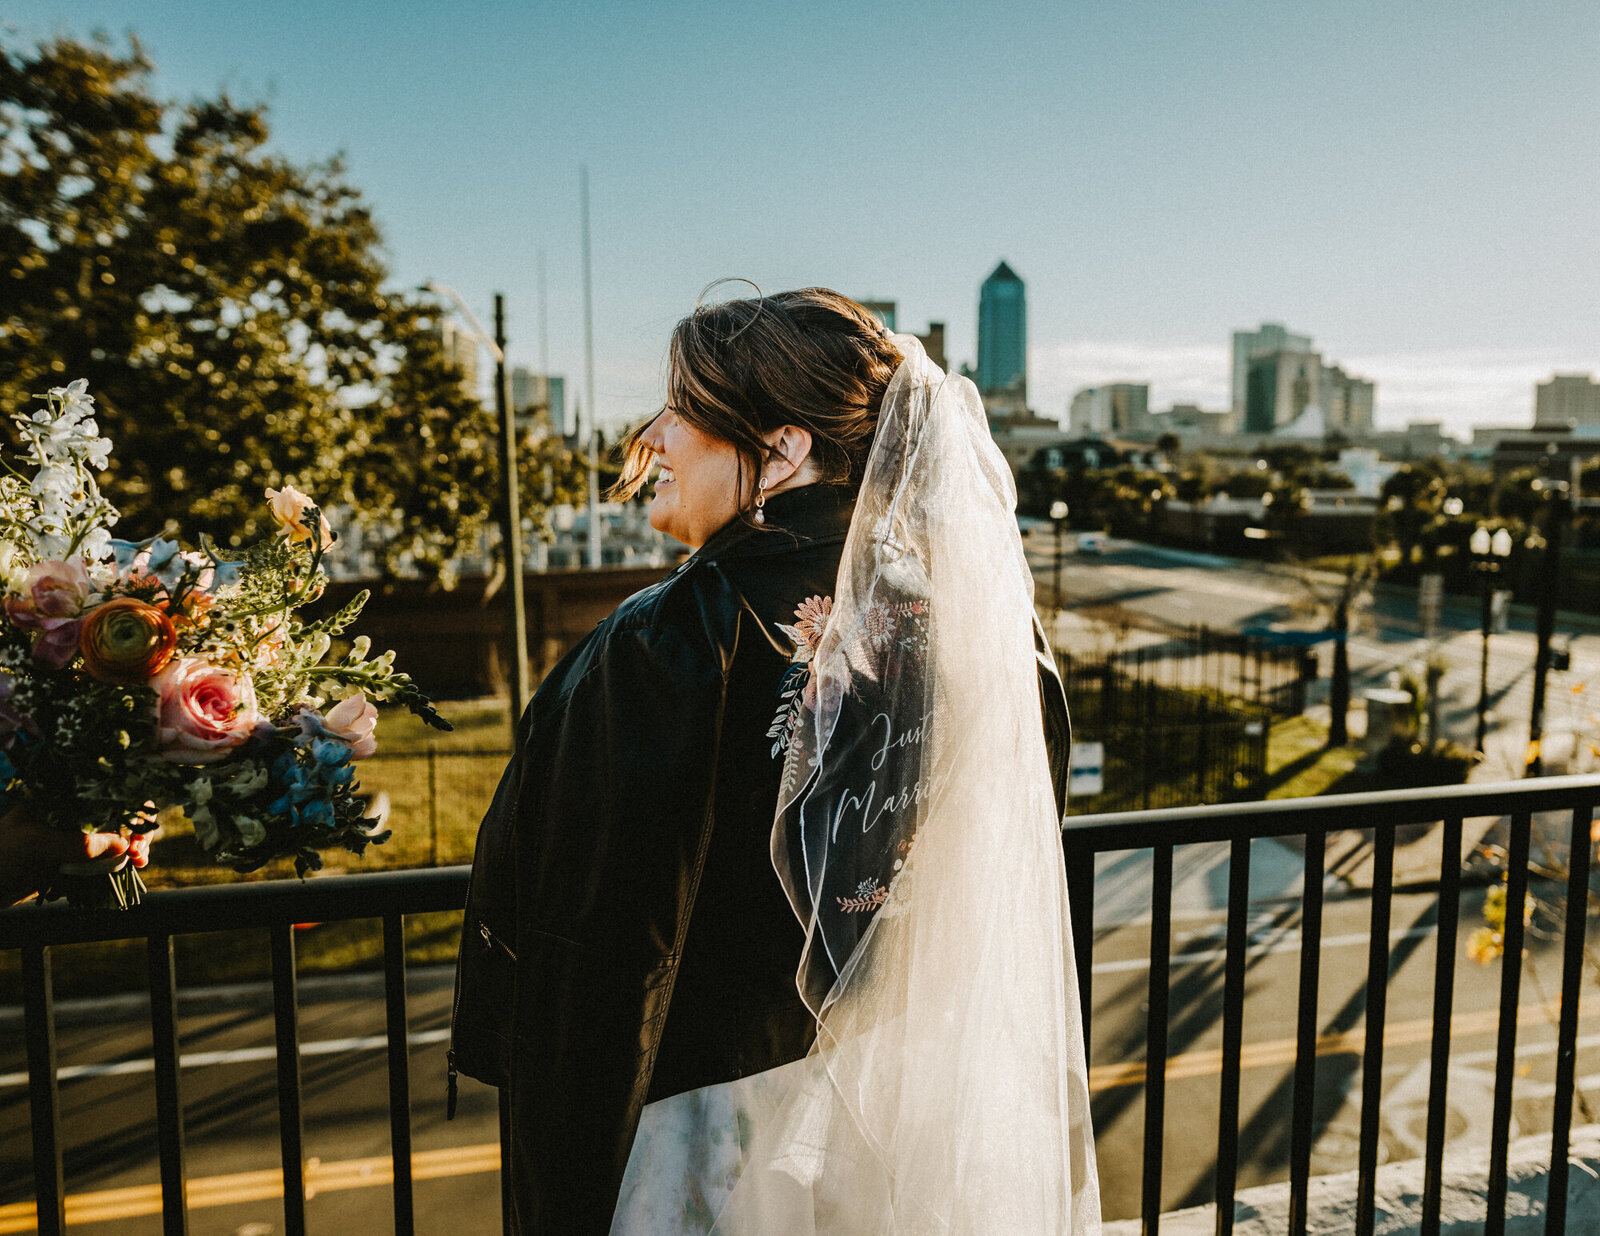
point(228, 309)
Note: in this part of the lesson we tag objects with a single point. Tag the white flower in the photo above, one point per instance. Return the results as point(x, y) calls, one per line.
point(200, 790)
point(50, 546)
point(248, 781)
point(97, 545)
point(53, 481)
point(251, 830)
point(74, 395)
point(206, 831)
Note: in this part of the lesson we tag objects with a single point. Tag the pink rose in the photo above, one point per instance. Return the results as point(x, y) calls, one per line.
point(51, 604)
point(202, 711)
point(351, 721)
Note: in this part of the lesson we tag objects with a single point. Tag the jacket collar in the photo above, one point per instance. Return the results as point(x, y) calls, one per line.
point(809, 515)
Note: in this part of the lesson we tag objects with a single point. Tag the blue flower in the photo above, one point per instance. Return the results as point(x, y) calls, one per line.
point(124, 552)
point(223, 574)
point(166, 561)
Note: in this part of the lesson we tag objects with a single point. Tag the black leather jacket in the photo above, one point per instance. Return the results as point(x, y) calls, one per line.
point(625, 935)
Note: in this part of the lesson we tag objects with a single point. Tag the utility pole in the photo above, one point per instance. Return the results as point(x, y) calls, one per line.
point(511, 525)
point(590, 445)
point(510, 505)
point(1339, 680)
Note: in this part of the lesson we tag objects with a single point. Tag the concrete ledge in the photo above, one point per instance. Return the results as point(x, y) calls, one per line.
point(1264, 1211)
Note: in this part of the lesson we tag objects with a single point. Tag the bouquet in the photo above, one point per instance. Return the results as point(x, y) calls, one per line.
point(144, 685)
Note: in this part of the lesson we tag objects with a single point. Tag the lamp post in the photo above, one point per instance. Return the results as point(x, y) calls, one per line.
point(1058, 513)
point(1563, 496)
point(1488, 552)
point(511, 505)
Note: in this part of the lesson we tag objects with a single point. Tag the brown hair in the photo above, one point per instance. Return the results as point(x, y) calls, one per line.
point(742, 368)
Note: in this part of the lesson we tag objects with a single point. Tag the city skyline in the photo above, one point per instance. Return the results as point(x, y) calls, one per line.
point(1155, 170)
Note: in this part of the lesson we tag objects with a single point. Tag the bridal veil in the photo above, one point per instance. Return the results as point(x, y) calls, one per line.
point(918, 839)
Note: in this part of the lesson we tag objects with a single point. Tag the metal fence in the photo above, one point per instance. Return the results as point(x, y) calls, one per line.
point(1247, 670)
point(274, 907)
point(1166, 745)
point(1313, 820)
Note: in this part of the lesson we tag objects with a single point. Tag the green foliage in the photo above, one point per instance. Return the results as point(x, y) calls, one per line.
point(227, 308)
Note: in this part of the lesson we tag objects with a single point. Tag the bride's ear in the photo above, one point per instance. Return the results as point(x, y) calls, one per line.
point(790, 449)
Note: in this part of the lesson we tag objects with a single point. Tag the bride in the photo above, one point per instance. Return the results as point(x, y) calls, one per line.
point(767, 932)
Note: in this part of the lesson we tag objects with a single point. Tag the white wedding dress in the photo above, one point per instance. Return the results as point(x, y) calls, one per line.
point(918, 838)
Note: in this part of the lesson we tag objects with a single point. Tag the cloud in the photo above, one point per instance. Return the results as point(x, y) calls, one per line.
point(1461, 387)
point(1182, 373)
point(1488, 386)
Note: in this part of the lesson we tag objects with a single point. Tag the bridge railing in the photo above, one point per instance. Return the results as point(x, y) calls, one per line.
point(1311, 821)
point(275, 906)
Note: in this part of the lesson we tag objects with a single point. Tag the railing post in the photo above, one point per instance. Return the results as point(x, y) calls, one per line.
point(291, 1129)
point(1079, 860)
point(1444, 977)
point(394, 993)
point(1155, 1064)
point(1305, 1039)
point(1376, 1016)
point(43, 1097)
point(1506, 1039)
point(169, 1095)
point(1232, 1031)
point(507, 1201)
point(1555, 1223)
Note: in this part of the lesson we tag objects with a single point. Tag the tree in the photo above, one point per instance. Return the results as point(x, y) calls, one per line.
point(228, 310)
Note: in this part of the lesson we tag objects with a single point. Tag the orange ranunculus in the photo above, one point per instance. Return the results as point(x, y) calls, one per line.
point(127, 641)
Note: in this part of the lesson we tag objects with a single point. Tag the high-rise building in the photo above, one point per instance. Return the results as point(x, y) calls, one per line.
point(461, 346)
point(1566, 399)
point(933, 344)
point(540, 393)
point(1118, 407)
point(1002, 375)
point(1346, 400)
point(1280, 385)
point(1269, 337)
point(883, 310)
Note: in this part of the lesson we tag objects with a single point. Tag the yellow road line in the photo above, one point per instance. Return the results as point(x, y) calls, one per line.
point(107, 1205)
point(1282, 1051)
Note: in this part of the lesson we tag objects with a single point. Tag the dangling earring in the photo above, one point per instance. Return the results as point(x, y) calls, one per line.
point(761, 499)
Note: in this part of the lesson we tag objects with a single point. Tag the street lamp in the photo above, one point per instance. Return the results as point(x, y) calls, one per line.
point(1562, 502)
point(1488, 552)
point(511, 508)
point(1058, 513)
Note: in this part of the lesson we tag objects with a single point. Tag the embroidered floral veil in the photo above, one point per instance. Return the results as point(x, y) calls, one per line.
point(918, 839)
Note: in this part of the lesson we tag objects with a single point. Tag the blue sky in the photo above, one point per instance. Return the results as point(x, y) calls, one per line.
point(1414, 185)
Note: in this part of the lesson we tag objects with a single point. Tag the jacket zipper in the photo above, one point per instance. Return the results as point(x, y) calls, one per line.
point(494, 941)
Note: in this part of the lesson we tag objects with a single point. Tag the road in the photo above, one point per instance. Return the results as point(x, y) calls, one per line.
point(1152, 590)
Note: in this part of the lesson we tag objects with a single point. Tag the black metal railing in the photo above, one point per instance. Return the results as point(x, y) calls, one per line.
point(1169, 740)
point(1314, 819)
point(274, 906)
point(1248, 671)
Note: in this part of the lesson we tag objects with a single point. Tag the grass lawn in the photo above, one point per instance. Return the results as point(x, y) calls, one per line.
point(1300, 764)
